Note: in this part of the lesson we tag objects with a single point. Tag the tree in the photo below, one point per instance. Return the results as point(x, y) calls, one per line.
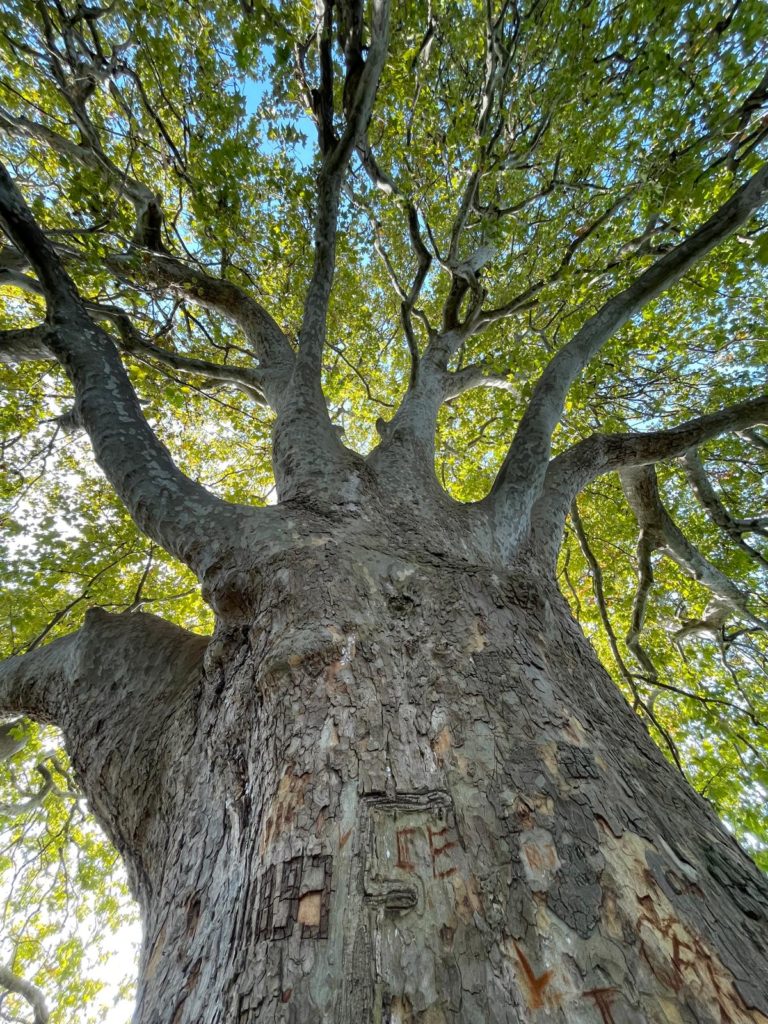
point(396, 783)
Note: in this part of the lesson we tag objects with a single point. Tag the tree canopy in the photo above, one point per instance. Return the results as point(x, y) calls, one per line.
point(550, 212)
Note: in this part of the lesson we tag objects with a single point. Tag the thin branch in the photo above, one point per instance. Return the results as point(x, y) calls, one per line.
point(84, 595)
point(639, 605)
point(596, 574)
point(149, 218)
point(138, 596)
point(246, 378)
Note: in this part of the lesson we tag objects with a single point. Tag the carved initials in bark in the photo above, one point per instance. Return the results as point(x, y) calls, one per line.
point(404, 849)
point(602, 998)
point(437, 851)
point(535, 985)
point(423, 848)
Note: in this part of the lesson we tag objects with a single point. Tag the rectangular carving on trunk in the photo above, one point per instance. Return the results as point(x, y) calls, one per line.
point(302, 897)
point(412, 834)
point(317, 928)
point(287, 910)
point(264, 909)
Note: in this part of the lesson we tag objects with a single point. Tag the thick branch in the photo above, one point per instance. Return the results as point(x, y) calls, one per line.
point(478, 375)
point(755, 437)
point(155, 270)
point(661, 532)
point(645, 547)
point(142, 653)
point(307, 453)
point(184, 279)
point(31, 344)
point(155, 266)
point(13, 983)
point(522, 473)
point(406, 308)
point(31, 684)
point(118, 687)
point(570, 472)
point(25, 345)
point(166, 505)
point(364, 84)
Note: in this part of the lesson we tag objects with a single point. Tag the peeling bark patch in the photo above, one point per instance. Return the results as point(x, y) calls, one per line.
point(290, 796)
point(574, 893)
point(157, 952)
point(442, 744)
point(540, 859)
point(285, 910)
point(320, 866)
point(193, 916)
point(310, 906)
point(467, 898)
point(576, 762)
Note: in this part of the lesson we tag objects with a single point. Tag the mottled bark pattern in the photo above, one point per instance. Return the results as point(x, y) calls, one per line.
point(400, 790)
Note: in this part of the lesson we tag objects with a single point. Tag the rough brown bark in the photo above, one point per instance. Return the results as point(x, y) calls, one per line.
point(402, 788)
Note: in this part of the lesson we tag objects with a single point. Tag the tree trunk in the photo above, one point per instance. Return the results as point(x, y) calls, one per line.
point(402, 790)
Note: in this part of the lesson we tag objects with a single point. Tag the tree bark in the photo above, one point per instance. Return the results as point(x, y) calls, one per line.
point(396, 787)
